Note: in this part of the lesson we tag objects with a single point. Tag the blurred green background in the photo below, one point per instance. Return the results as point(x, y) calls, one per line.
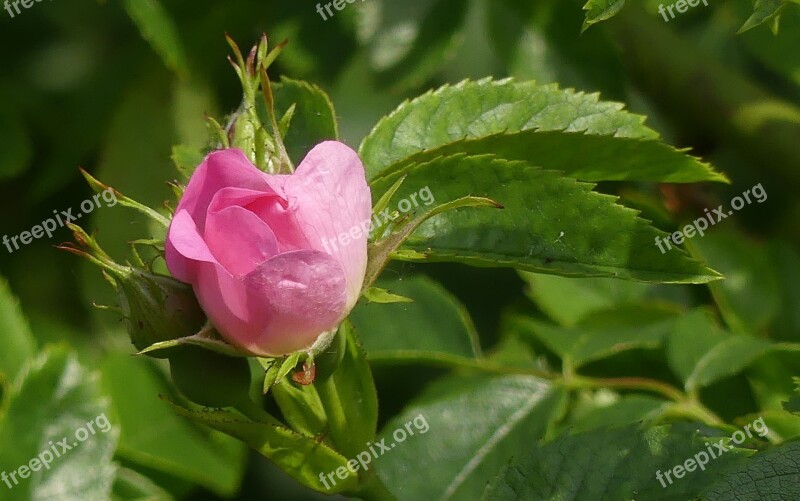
point(82, 85)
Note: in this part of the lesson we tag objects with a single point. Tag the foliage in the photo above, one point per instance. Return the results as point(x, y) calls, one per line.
point(527, 314)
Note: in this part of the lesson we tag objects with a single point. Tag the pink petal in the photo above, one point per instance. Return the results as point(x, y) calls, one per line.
point(281, 307)
point(228, 168)
point(184, 246)
point(239, 239)
point(330, 197)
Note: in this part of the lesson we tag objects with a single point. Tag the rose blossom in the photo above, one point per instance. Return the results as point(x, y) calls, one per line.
point(251, 245)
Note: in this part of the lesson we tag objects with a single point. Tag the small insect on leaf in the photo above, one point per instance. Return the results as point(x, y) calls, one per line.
point(307, 375)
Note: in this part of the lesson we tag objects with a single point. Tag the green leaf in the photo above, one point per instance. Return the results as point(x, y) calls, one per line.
point(760, 292)
point(471, 426)
point(302, 457)
point(778, 51)
point(301, 407)
point(567, 300)
point(350, 399)
point(434, 328)
point(475, 109)
point(57, 401)
point(158, 28)
point(764, 11)
point(278, 368)
point(525, 121)
point(314, 118)
point(610, 465)
point(602, 158)
point(701, 353)
point(133, 486)
point(383, 296)
point(186, 159)
point(19, 344)
point(152, 436)
point(607, 413)
point(602, 334)
point(549, 224)
point(399, 230)
point(772, 474)
point(600, 10)
point(408, 42)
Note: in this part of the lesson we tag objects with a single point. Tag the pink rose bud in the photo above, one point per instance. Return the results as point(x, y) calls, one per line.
point(265, 254)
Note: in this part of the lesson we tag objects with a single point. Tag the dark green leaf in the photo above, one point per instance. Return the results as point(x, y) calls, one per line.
point(314, 118)
point(773, 474)
point(611, 465)
point(471, 426)
point(549, 224)
point(154, 437)
point(434, 327)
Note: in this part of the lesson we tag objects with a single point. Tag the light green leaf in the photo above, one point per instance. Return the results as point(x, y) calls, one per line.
point(152, 436)
point(465, 429)
point(350, 398)
point(383, 296)
point(186, 159)
point(301, 407)
point(549, 224)
point(610, 465)
point(525, 121)
point(158, 28)
point(701, 353)
point(133, 486)
point(304, 458)
point(602, 334)
point(600, 10)
point(54, 404)
point(567, 300)
point(19, 344)
point(434, 328)
point(772, 474)
point(475, 109)
point(764, 11)
point(314, 118)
